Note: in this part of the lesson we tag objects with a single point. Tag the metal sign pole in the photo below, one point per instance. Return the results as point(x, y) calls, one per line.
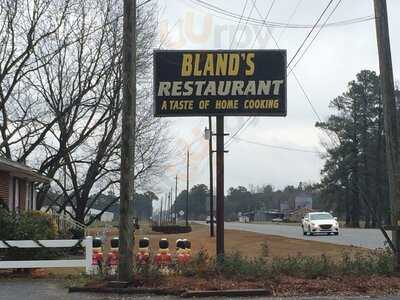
point(220, 186)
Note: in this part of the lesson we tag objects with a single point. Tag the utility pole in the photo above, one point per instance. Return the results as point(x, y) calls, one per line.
point(187, 189)
point(220, 186)
point(170, 206)
point(210, 154)
point(161, 212)
point(176, 196)
point(390, 122)
point(166, 207)
point(125, 266)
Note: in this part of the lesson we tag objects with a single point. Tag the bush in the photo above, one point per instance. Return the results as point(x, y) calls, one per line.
point(378, 261)
point(264, 249)
point(33, 225)
point(236, 266)
point(171, 229)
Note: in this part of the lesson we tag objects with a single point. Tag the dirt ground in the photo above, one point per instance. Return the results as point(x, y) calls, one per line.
point(247, 243)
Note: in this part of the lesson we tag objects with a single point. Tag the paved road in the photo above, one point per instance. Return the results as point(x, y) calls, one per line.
point(368, 238)
point(27, 289)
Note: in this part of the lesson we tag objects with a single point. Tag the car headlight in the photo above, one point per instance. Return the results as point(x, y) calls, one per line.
point(312, 224)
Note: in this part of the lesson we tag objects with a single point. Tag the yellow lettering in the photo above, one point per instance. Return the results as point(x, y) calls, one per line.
point(222, 64)
point(250, 64)
point(196, 71)
point(209, 67)
point(234, 61)
point(186, 65)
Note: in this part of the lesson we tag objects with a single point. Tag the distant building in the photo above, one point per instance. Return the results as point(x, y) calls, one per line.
point(303, 200)
point(105, 217)
point(284, 206)
point(267, 215)
point(298, 214)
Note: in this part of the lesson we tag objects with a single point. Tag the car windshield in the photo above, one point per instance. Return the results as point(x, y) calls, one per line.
point(321, 216)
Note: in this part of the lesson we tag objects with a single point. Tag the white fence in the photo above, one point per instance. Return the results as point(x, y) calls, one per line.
point(62, 263)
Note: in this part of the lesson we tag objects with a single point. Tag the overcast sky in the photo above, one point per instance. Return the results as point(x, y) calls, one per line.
point(334, 58)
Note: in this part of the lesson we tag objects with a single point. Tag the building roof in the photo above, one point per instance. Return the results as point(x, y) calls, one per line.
point(21, 171)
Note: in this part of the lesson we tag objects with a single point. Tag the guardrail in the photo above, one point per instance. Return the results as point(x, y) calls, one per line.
point(61, 263)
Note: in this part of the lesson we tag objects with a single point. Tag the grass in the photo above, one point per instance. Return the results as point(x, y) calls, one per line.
point(246, 243)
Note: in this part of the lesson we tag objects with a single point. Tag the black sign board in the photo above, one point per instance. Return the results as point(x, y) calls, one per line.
point(219, 82)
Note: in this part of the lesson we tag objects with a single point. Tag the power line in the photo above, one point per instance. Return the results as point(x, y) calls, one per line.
point(297, 80)
point(290, 18)
point(277, 147)
point(306, 95)
point(245, 26)
point(238, 130)
point(250, 118)
point(271, 24)
point(238, 24)
point(315, 36)
point(291, 70)
point(310, 32)
point(264, 21)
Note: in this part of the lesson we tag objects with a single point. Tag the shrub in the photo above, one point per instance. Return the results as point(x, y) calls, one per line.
point(200, 265)
point(148, 272)
point(378, 261)
point(264, 249)
point(26, 226)
point(171, 229)
point(234, 265)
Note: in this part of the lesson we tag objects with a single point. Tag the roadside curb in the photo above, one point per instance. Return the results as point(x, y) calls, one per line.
point(229, 293)
point(127, 290)
point(164, 292)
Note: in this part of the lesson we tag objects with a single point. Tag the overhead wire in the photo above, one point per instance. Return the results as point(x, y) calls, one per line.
point(238, 24)
point(245, 26)
point(228, 142)
point(290, 19)
point(249, 119)
point(310, 32)
point(277, 146)
point(297, 80)
point(265, 20)
point(271, 24)
point(316, 35)
point(238, 43)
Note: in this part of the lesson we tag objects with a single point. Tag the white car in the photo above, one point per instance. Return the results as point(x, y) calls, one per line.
point(319, 222)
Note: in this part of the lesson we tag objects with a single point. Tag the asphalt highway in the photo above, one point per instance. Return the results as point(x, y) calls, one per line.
point(367, 238)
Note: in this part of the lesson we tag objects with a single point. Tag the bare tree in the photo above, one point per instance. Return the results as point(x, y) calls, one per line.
point(24, 28)
point(81, 88)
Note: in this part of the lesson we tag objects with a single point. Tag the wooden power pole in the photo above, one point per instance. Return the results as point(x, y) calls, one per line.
point(210, 153)
point(125, 267)
point(176, 196)
point(390, 122)
point(187, 189)
point(220, 185)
